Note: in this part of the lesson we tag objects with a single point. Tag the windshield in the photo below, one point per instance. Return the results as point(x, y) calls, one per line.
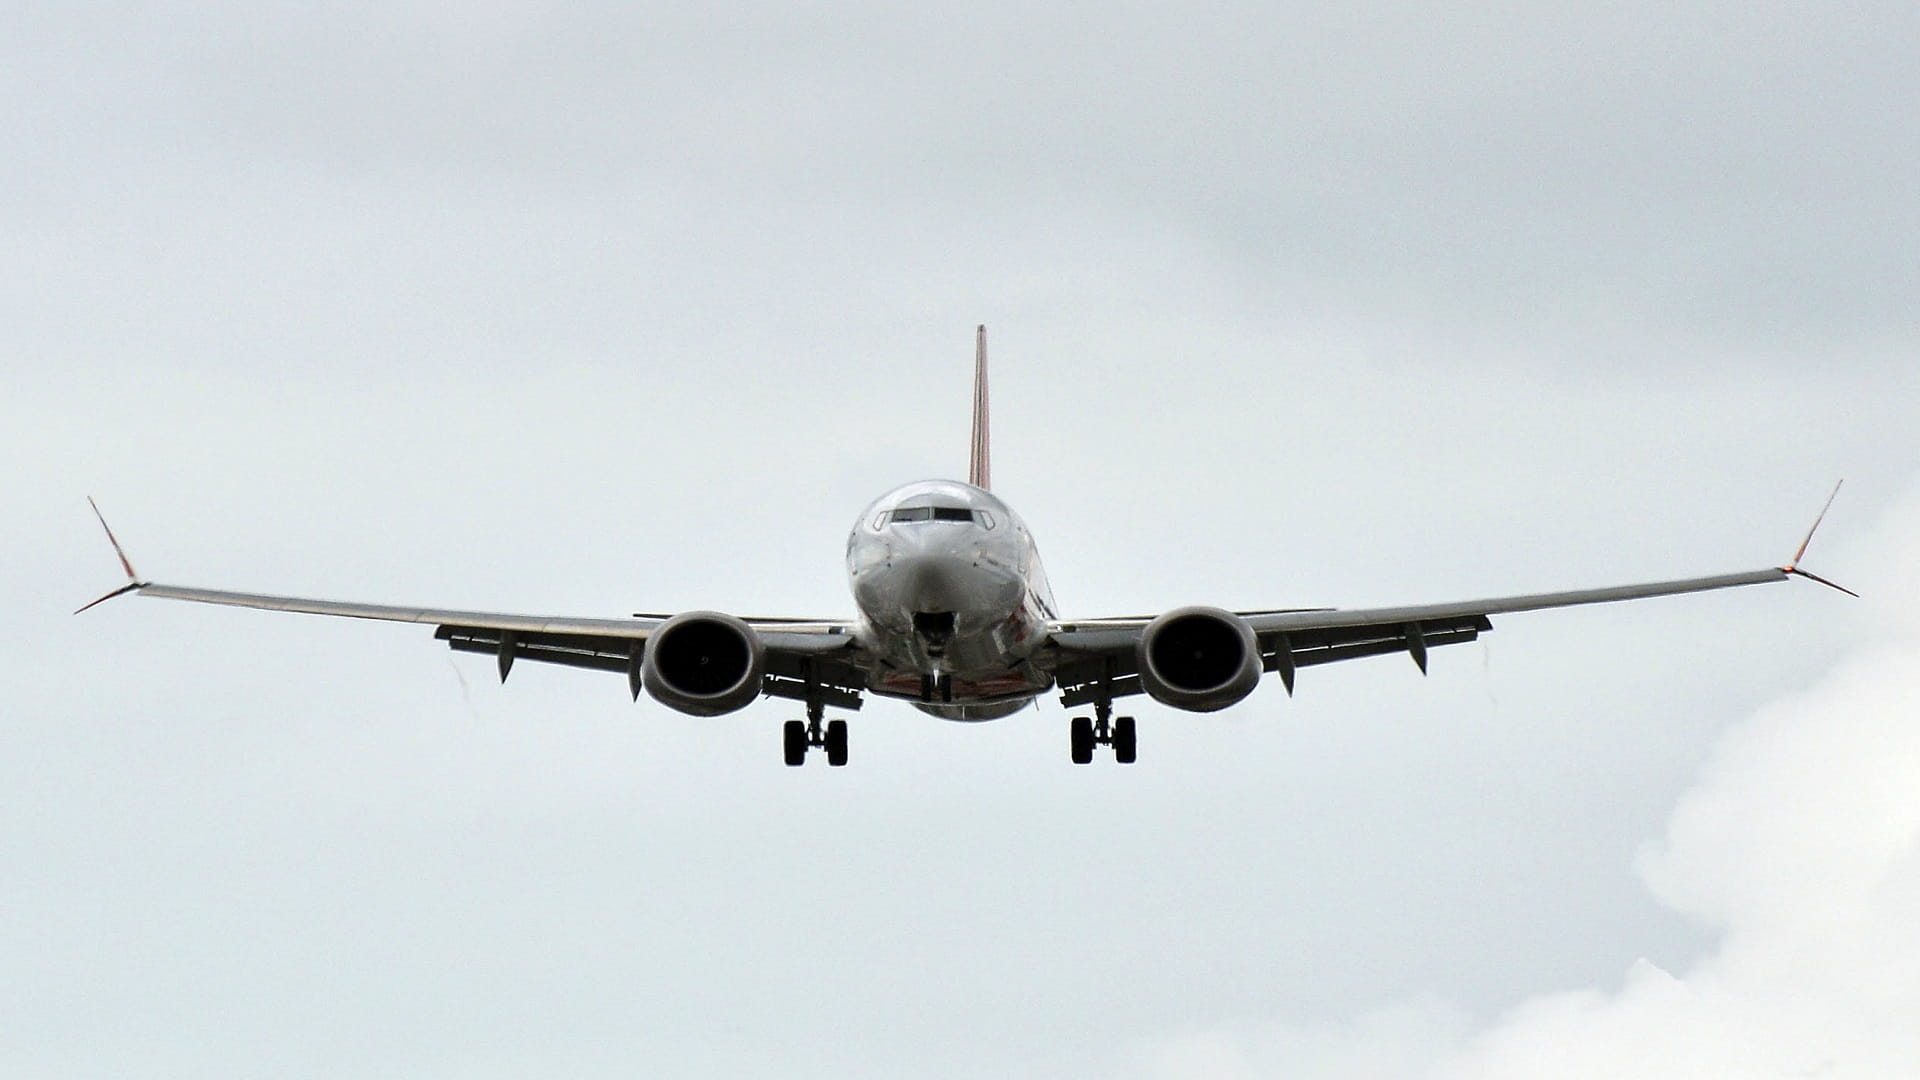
point(932, 513)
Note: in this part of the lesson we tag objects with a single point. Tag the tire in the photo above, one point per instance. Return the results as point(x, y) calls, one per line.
point(836, 743)
point(1082, 733)
point(795, 739)
point(1125, 740)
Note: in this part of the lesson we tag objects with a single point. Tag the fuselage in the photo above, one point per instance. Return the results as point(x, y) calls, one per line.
point(953, 601)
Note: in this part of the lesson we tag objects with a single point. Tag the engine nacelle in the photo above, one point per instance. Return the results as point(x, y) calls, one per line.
point(1199, 659)
point(704, 663)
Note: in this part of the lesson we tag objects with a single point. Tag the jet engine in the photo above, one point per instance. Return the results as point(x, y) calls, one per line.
point(1199, 659)
point(704, 663)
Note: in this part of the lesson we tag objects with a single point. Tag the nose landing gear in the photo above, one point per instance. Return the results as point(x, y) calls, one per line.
point(935, 628)
point(1104, 730)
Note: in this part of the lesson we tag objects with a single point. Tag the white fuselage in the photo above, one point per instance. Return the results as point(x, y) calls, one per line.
point(953, 601)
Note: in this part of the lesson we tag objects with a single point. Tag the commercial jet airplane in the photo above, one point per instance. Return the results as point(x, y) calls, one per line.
point(956, 618)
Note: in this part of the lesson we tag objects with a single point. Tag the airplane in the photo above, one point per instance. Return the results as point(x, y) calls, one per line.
point(956, 618)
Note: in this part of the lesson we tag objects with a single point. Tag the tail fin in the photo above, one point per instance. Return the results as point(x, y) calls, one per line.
point(978, 468)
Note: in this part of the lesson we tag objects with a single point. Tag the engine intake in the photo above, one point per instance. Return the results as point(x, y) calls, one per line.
point(704, 663)
point(1199, 659)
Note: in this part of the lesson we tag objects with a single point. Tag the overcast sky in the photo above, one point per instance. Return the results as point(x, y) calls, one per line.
point(594, 309)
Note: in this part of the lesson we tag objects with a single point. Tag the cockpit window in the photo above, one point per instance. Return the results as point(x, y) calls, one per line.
point(932, 513)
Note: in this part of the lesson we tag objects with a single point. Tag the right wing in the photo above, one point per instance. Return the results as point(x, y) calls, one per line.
point(1099, 658)
point(1104, 650)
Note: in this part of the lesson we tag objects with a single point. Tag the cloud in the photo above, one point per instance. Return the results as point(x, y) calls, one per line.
point(1799, 842)
point(1802, 840)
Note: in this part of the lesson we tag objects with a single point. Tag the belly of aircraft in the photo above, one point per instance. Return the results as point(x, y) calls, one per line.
point(980, 696)
point(994, 710)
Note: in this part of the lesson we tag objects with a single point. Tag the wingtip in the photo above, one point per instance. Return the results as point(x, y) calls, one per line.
point(1793, 565)
point(121, 591)
point(1801, 551)
point(134, 581)
point(125, 563)
point(1797, 572)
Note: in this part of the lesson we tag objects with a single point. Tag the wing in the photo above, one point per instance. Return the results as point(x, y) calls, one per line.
point(1098, 657)
point(801, 634)
point(812, 660)
point(1097, 661)
point(799, 651)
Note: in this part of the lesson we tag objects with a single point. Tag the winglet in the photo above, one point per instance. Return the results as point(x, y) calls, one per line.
point(111, 539)
point(978, 466)
point(1793, 565)
point(133, 579)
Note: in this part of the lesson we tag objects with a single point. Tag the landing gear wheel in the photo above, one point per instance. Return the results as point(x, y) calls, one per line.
point(836, 742)
point(1082, 732)
point(1125, 741)
point(795, 738)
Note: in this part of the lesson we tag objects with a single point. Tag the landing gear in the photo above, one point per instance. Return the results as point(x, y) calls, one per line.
point(799, 736)
point(796, 742)
point(836, 743)
point(1104, 730)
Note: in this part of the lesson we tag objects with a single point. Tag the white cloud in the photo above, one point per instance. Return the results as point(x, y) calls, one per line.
point(1800, 842)
point(575, 309)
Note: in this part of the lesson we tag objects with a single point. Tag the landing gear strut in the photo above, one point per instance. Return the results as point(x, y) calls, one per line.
point(1104, 729)
point(799, 736)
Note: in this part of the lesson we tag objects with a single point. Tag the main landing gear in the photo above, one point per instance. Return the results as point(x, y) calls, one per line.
point(1104, 730)
point(803, 735)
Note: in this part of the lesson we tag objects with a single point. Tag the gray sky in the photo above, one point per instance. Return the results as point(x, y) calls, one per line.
point(599, 309)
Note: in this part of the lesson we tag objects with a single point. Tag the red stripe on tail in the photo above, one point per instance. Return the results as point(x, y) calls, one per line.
point(979, 469)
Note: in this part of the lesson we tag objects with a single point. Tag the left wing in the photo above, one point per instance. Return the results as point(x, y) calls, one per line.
point(604, 644)
point(797, 649)
point(804, 635)
point(625, 629)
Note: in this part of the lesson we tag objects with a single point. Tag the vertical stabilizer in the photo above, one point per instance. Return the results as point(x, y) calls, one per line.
point(978, 470)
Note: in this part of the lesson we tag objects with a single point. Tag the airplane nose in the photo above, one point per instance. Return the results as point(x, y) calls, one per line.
point(930, 581)
point(936, 572)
